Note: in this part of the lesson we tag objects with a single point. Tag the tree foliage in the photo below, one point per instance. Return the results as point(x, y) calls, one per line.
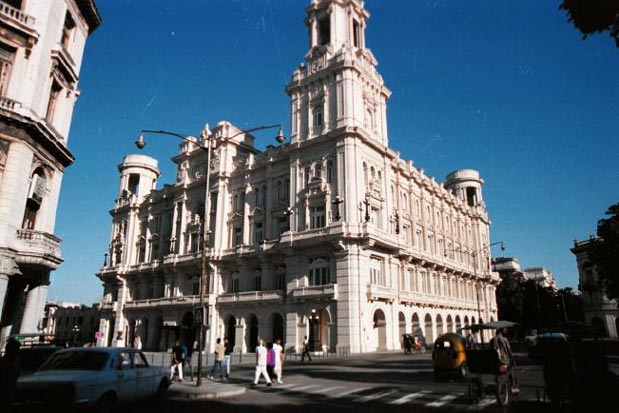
point(594, 16)
point(536, 307)
point(605, 252)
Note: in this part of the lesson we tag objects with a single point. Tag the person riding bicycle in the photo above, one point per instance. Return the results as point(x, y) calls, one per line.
point(501, 344)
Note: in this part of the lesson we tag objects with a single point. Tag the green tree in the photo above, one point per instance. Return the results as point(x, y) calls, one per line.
point(594, 16)
point(510, 298)
point(605, 252)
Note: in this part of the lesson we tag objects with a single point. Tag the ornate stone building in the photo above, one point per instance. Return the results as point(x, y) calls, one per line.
point(41, 47)
point(331, 236)
point(601, 312)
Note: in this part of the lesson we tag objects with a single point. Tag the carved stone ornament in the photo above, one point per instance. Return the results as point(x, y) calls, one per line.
point(215, 160)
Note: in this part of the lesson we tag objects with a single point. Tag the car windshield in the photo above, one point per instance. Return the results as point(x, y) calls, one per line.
point(76, 360)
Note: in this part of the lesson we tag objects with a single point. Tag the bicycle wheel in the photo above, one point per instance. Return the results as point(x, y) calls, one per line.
point(474, 390)
point(502, 390)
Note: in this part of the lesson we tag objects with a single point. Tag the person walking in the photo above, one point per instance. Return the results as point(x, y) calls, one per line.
point(227, 356)
point(279, 359)
point(219, 358)
point(177, 361)
point(188, 353)
point(270, 361)
point(9, 373)
point(137, 343)
point(120, 340)
point(501, 344)
point(305, 350)
point(261, 363)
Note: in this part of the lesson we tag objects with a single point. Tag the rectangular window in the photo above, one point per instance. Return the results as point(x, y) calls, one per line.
point(195, 286)
point(259, 235)
point(238, 237)
point(318, 116)
point(376, 271)
point(67, 31)
point(7, 56)
point(283, 224)
point(54, 95)
point(318, 217)
point(258, 282)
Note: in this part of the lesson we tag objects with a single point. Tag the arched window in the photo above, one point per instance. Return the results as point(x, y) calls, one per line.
point(38, 186)
point(365, 173)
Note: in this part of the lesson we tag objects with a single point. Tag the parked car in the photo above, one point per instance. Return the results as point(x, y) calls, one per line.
point(97, 377)
point(32, 357)
point(448, 355)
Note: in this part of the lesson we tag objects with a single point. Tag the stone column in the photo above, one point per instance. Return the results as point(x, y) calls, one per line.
point(33, 311)
point(4, 285)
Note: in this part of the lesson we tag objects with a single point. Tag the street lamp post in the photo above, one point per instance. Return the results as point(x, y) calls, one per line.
point(207, 146)
point(474, 256)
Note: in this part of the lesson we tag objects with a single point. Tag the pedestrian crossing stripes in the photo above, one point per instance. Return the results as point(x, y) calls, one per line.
point(395, 397)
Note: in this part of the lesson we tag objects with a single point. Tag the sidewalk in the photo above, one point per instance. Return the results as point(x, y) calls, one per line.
point(187, 390)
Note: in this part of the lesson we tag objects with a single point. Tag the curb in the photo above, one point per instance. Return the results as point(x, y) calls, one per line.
point(206, 392)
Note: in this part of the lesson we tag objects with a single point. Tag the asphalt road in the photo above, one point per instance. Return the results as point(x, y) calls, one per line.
point(365, 383)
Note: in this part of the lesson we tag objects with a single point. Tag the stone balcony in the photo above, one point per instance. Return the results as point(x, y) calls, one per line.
point(416, 298)
point(38, 248)
point(381, 293)
point(189, 300)
point(253, 297)
point(9, 104)
point(16, 16)
point(327, 291)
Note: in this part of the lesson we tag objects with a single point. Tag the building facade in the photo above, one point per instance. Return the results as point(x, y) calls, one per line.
point(600, 312)
point(543, 276)
point(41, 47)
point(71, 323)
point(332, 235)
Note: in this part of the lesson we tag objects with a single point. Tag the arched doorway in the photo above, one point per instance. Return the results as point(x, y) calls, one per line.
point(450, 324)
point(318, 334)
point(158, 335)
point(416, 330)
point(402, 329)
point(466, 321)
point(428, 330)
point(278, 327)
point(439, 325)
point(252, 334)
point(231, 331)
point(380, 329)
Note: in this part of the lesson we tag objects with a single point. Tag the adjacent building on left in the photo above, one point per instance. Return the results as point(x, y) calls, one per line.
point(41, 49)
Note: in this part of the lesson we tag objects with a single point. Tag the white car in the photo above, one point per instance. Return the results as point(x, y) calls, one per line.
point(99, 377)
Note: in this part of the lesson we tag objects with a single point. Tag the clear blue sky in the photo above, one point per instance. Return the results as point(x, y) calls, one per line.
point(507, 88)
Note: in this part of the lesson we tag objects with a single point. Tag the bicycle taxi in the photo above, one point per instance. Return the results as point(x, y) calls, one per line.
point(487, 374)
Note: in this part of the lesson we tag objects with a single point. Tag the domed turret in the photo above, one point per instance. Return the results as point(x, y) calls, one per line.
point(466, 185)
point(138, 175)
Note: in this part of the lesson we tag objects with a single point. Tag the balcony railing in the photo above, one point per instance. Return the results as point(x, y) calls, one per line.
point(9, 104)
point(315, 291)
point(39, 244)
point(163, 301)
point(6, 10)
point(250, 296)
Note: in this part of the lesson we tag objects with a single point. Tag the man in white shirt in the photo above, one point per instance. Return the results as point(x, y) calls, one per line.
point(279, 359)
point(261, 363)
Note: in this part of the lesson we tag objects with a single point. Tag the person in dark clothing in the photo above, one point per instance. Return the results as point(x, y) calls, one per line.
point(9, 373)
point(306, 348)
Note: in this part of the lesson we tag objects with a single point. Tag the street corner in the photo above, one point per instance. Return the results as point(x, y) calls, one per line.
point(188, 390)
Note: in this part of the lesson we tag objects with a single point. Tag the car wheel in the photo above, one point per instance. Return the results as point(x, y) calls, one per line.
point(106, 404)
point(162, 391)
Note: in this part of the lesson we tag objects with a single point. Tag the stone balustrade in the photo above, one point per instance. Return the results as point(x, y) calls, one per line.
point(250, 296)
point(328, 291)
point(12, 13)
